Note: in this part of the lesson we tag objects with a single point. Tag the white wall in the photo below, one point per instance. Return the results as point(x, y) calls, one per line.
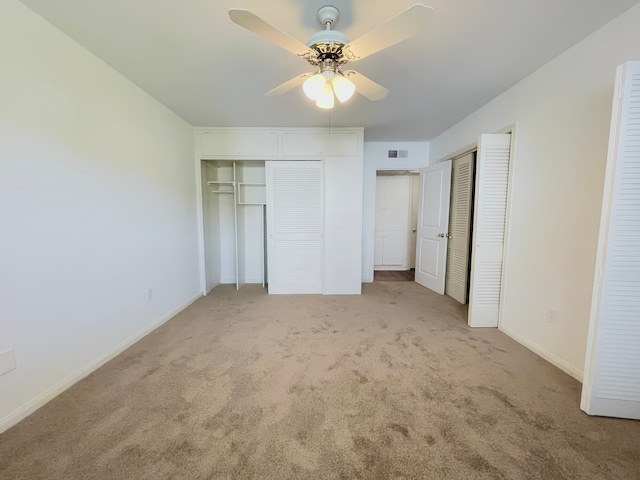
point(562, 112)
point(375, 158)
point(97, 204)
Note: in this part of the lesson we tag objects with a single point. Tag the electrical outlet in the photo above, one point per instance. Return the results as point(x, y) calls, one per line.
point(7, 361)
point(149, 294)
point(552, 316)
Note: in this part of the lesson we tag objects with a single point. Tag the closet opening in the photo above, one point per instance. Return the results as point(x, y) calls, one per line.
point(234, 219)
point(396, 213)
point(478, 227)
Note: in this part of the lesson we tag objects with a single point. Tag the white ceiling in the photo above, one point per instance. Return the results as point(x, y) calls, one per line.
point(211, 72)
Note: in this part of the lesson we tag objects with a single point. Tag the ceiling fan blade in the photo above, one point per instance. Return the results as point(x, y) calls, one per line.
point(288, 85)
point(399, 28)
point(367, 87)
point(251, 22)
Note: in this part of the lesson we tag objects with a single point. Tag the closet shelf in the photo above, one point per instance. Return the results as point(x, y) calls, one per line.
point(222, 186)
point(252, 193)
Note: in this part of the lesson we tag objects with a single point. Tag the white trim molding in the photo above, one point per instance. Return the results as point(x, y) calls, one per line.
point(27, 409)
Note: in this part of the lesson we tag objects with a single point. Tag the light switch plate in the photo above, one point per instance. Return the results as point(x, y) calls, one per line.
point(7, 361)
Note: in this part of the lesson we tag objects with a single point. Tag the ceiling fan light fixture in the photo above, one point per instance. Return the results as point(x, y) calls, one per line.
point(328, 51)
point(343, 88)
point(314, 85)
point(325, 100)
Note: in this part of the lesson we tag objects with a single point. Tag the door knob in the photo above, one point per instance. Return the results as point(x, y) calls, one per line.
point(441, 235)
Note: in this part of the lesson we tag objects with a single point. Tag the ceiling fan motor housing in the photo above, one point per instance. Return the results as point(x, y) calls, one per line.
point(327, 43)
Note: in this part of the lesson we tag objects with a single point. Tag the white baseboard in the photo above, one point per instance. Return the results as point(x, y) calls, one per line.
point(549, 357)
point(49, 394)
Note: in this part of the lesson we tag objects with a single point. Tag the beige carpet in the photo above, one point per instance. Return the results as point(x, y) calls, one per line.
point(388, 385)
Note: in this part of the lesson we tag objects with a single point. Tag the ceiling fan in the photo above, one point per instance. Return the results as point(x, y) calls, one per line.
point(328, 51)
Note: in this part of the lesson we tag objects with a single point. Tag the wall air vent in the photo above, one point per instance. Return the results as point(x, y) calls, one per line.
point(398, 154)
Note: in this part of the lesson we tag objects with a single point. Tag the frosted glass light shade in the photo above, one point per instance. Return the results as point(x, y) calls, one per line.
point(314, 85)
point(343, 88)
point(325, 100)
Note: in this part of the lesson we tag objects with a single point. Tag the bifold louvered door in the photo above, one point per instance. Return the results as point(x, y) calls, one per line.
point(492, 180)
point(612, 371)
point(457, 280)
point(294, 226)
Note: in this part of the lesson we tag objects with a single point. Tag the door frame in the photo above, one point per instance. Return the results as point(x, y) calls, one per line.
point(504, 284)
point(371, 234)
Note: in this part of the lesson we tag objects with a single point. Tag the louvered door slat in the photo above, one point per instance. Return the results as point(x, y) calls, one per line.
point(492, 180)
point(294, 226)
point(296, 201)
point(612, 373)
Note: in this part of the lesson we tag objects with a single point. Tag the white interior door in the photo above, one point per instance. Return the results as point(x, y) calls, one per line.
point(612, 369)
point(489, 219)
point(460, 227)
point(433, 221)
point(294, 226)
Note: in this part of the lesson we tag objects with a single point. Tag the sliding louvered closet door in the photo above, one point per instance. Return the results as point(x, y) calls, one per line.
point(612, 370)
point(492, 180)
point(457, 281)
point(294, 226)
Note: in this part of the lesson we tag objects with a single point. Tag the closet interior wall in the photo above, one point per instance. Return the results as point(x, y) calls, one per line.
point(234, 211)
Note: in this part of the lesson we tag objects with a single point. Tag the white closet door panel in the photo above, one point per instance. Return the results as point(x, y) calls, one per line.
point(396, 203)
point(459, 228)
point(298, 267)
point(294, 225)
point(433, 222)
point(612, 374)
point(342, 241)
point(394, 248)
point(378, 247)
point(379, 220)
point(492, 180)
point(239, 144)
point(297, 200)
point(315, 144)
